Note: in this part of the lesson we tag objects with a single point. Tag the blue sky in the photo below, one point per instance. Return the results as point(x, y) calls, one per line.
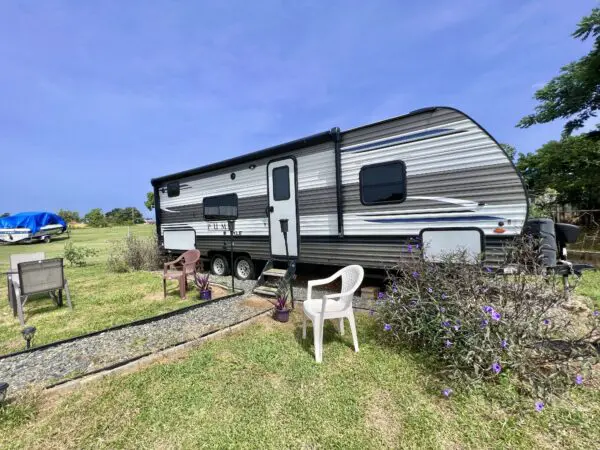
point(97, 98)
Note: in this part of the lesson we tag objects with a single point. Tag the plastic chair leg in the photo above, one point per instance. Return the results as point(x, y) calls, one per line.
point(353, 329)
point(304, 328)
point(342, 326)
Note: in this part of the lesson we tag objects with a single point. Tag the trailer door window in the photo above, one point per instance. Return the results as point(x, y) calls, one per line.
point(383, 183)
point(220, 207)
point(281, 183)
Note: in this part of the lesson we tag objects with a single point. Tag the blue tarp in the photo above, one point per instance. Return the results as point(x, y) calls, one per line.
point(32, 220)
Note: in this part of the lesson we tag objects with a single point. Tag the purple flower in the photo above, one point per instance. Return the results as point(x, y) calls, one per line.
point(448, 343)
point(387, 327)
point(504, 343)
point(488, 269)
point(539, 406)
point(457, 326)
point(596, 313)
point(444, 296)
point(447, 392)
point(409, 248)
point(371, 312)
point(415, 274)
point(496, 316)
point(484, 323)
point(394, 288)
point(380, 295)
point(488, 309)
point(579, 379)
point(546, 321)
point(484, 290)
point(429, 290)
point(445, 323)
point(496, 367)
point(442, 309)
point(413, 303)
point(417, 247)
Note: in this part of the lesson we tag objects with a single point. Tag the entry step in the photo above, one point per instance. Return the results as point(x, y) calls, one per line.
point(275, 272)
point(266, 290)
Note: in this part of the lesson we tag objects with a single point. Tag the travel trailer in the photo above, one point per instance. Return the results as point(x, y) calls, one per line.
point(364, 196)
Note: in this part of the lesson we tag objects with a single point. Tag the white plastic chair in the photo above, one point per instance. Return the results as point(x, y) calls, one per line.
point(332, 306)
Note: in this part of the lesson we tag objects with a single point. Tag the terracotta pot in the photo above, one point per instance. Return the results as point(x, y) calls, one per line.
point(206, 295)
point(282, 315)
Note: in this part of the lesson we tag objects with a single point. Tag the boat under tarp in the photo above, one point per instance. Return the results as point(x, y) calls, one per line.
point(27, 226)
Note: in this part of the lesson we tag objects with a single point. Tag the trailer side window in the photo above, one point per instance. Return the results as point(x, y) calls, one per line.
point(383, 183)
point(281, 183)
point(173, 189)
point(220, 207)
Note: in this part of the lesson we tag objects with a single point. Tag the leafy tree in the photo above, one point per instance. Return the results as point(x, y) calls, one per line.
point(124, 216)
point(4, 214)
point(575, 93)
point(149, 201)
point(69, 216)
point(509, 150)
point(95, 218)
point(570, 166)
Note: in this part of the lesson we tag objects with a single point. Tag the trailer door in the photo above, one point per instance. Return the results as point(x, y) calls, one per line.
point(283, 195)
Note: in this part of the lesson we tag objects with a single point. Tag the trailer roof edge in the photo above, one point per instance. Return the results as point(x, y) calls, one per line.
point(314, 139)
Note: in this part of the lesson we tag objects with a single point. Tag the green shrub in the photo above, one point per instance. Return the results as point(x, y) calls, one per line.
point(481, 326)
point(134, 253)
point(77, 255)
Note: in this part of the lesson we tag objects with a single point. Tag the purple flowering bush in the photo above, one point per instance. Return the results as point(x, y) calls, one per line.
point(481, 325)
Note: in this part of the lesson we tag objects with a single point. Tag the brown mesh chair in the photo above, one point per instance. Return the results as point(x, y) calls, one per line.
point(180, 269)
point(46, 275)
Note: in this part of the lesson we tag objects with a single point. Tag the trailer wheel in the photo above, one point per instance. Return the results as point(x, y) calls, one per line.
point(46, 239)
point(244, 268)
point(219, 265)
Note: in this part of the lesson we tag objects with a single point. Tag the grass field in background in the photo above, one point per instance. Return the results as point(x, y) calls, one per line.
point(101, 299)
point(260, 388)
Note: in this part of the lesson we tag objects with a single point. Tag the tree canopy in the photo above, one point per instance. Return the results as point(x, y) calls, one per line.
point(124, 216)
point(510, 151)
point(575, 93)
point(570, 166)
point(69, 216)
point(149, 201)
point(95, 218)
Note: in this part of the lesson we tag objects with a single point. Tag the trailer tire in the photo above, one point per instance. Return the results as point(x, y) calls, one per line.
point(46, 239)
point(244, 268)
point(219, 265)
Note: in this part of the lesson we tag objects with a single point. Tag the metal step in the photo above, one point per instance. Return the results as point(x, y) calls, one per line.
point(280, 273)
point(266, 290)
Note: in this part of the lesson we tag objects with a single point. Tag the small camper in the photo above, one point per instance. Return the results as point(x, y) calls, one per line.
point(361, 196)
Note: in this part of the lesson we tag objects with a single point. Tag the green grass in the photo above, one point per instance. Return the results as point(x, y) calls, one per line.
point(590, 286)
point(101, 299)
point(260, 388)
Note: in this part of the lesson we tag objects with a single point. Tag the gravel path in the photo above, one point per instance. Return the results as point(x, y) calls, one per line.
point(71, 359)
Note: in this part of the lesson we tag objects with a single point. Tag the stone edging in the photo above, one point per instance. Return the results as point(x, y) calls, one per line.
point(125, 325)
point(145, 360)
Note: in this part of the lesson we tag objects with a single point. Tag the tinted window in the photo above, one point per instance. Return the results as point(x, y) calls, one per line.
point(281, 183)
point(383, 183)
point(221, 207)
point(173, 189)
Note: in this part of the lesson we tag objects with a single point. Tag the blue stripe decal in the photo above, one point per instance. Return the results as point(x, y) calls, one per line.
point(435, 219)
point(404, 139)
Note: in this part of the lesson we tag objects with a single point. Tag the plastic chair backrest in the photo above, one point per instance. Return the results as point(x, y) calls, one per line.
point(190, 259)
point(352, 277)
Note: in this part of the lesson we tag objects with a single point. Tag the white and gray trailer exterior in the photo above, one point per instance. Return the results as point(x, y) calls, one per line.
point(356, 196)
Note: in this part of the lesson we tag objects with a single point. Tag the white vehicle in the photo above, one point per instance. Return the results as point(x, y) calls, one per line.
point(362, 196)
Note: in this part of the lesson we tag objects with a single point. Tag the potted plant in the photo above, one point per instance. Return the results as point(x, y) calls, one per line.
point(203, 285)
point(282, 313)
